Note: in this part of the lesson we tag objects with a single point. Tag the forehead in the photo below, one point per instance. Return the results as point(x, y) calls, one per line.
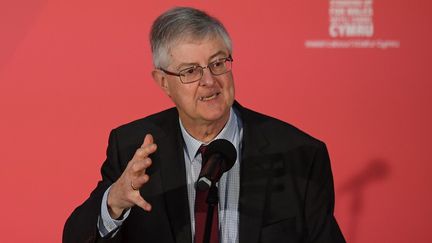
point(197, 50)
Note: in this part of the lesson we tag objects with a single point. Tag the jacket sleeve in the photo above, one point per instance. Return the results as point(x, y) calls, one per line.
point(81, 226)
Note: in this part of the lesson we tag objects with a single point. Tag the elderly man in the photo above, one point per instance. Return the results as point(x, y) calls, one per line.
point(280, 188)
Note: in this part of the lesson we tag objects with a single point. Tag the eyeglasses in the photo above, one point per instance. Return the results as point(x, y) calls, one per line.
point(195, 73)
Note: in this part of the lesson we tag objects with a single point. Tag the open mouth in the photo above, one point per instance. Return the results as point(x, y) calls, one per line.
point(207, 98)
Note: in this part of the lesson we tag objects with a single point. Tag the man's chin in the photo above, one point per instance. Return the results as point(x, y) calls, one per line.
point(212, 115)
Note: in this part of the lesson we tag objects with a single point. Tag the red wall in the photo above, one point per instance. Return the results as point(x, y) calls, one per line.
point(72, 70)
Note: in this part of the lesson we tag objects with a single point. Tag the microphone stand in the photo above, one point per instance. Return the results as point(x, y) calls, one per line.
point(212, 201)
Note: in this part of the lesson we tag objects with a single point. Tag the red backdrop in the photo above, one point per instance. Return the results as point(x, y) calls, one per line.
point(72, 70)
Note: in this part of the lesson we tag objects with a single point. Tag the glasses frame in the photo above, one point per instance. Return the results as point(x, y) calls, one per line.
point(227, 59)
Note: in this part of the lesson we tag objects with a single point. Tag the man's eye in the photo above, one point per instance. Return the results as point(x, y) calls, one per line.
point(218, 63)
point(189, 71)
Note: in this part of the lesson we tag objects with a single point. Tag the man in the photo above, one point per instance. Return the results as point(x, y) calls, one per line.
point(280, 189)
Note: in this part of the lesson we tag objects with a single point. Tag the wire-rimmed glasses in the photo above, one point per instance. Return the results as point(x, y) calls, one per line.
point(195, 73)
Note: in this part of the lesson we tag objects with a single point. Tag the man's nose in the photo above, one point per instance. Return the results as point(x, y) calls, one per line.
point(208, 79)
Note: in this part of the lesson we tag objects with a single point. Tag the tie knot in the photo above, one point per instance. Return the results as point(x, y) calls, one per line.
point(202, 149)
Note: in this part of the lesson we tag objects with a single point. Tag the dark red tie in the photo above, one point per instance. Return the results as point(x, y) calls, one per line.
point(201, 208)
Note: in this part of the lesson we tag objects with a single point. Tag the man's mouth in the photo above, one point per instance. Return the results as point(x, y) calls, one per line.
point(207, 98)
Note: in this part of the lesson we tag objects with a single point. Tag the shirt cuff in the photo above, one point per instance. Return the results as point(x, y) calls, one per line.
point(106, 224)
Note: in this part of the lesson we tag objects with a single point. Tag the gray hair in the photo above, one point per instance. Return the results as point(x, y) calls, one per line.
point(182, 23)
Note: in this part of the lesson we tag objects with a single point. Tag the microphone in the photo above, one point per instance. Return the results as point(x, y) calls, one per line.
point(219, 157)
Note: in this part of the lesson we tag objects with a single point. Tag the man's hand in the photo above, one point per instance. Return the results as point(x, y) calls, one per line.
point(124, 193)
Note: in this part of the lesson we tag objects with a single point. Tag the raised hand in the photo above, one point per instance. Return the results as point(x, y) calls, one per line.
point(124, 193)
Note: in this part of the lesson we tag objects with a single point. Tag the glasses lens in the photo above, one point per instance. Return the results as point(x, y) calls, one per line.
point(190, 75)
point(220, 67)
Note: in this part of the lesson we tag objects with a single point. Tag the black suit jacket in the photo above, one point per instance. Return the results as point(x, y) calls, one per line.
point(286, 185)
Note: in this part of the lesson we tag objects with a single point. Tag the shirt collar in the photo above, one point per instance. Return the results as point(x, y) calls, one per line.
point(192, 144)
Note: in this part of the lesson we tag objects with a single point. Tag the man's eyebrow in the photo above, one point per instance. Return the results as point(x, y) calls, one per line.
point(217, 54)
point(190, 64)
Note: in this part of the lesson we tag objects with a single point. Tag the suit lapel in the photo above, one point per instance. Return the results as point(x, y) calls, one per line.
point(253, 179)
point(173, 174)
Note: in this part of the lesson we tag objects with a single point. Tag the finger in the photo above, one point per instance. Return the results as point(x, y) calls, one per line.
point(139, 181)
point(146, 149)
point(142, 153)
point(148, 139)
point(148, 145)
point(139, 166)
point(140, 202)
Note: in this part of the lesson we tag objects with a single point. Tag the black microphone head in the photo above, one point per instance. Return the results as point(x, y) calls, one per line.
point(219, 157)
point(225, 148)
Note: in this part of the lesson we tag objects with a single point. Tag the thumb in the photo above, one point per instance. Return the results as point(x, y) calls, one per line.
point(140, 202)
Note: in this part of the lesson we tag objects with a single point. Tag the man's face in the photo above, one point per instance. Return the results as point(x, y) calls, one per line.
point(207, 100)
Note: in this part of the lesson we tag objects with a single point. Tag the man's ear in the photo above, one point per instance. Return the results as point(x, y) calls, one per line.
point(160, 78)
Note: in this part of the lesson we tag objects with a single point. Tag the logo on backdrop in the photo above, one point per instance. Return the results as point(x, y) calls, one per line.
point(351, 26)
